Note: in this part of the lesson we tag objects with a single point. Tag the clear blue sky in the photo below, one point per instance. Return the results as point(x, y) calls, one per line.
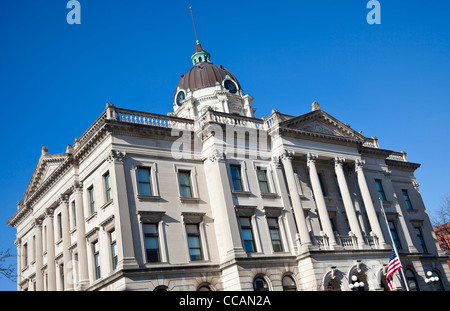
point(390, 80)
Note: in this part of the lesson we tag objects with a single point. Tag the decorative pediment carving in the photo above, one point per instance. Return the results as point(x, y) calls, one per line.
point(320, 122)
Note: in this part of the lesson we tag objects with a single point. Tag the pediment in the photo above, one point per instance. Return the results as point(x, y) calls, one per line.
point(320, 122)
point(46, 165)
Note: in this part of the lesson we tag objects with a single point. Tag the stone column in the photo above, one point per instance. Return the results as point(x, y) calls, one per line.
point(222, 208)
point(38, 252)
point(320, 200)
point(286, 159)
point(51, 267)
point(368, 203)
point(67, 258)
point(83, 277)
point(18, 243)
point(348, 203)
point(122, 219)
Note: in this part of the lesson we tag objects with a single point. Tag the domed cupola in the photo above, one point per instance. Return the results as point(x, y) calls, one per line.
point(207, 84)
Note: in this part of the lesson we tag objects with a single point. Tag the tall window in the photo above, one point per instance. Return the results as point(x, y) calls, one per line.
point(394, 235)
point(195, 249)
point(247, 234)
point(322, 184)
point(407, 200)
point(419, 235)
point(59, 224)
point(185, 184)
point(380, 189)
point(25, 254)
point(74, 215)
point(144, 181)
point(236, 177)
point(262, 180)
point(61, 275)
point(114, 257)
point(96, 250)
point(91, 199)
point(274, 231)
point(151, 241)
point(107, 182)
point(289, 283)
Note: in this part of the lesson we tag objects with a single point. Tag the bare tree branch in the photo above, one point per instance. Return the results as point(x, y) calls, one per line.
point(8, 271)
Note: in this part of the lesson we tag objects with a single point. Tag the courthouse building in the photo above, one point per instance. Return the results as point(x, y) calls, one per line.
point(209, 197)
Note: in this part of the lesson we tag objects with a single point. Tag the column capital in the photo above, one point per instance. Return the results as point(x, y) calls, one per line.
point(286, 155)
point(338, 162)
point(311, 159)
point(63, 199)
point(49, 212)
point(216, 156)
point(116, 157)
point(359, 164)
point(38, 223)
point(77, 187)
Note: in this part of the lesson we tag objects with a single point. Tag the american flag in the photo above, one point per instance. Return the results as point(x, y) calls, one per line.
point(394, 265)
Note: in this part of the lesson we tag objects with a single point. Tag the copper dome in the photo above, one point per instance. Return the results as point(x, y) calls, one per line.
point(203, 73)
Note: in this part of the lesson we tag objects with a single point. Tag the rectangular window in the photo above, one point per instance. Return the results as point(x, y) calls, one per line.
point(195, 249)
point(144, 181)
point(262, 180)
point(275, 236)
point(407, 200)
point(151, 241)
point(247, 234)
point(61, 275)
point(421, 240)
point(96, 250)
point(114, 257)
point(185, 184)
point(380, 189)
point(236, 177)
point(394, 235)
point(74, 215)
point(91, 199)
point(337, 185)
point(322, 185)
point(59, 224)
point(107, 182)
point(25, 254)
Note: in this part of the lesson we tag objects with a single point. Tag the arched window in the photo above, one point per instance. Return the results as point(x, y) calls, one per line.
point(260, 284)
point(289, 283)
point(160, 288)
point(204, 288)
point(412, 281)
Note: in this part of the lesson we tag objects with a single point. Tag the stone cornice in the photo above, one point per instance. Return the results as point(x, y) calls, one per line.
point(318, 136)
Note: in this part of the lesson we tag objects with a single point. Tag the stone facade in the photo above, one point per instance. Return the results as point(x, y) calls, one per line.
point(210, 197)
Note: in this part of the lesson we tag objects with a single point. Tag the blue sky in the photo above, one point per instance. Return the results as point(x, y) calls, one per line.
point(390, 80)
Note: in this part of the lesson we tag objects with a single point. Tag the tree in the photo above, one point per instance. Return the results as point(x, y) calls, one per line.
point(6, 269)
point(441, 224)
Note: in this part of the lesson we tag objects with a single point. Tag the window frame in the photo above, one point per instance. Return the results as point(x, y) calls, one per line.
point(248, 228)
point(96, 261)
point(380, 190)
point(238, 167)
point(197, 236)
point(278, 229)
point(91, 199)
point(407, 199)
point(156, 237)
point(107, 186)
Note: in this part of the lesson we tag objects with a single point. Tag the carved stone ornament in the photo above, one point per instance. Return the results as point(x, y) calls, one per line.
point(63, 199)
point(359, 164)
point(216, 156)
point(311, 159)
point(115, 157)
point(286, 156)
point(338, 161)
point(77, 187)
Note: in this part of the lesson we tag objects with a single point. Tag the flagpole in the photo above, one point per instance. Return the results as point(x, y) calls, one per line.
point(393, 245)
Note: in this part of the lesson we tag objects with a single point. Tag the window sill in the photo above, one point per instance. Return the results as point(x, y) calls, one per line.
point(106, 204)
point(270, 195)
point(189, 200)
point(241, 193)
point(149, 197)
point(92, 216)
